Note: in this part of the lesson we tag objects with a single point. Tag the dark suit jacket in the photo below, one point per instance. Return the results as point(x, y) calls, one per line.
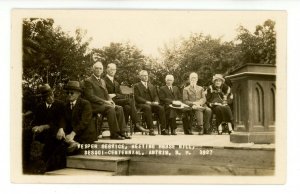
point(141, 93)
point(113, 88)
point(79, 120)
point(95, 91)
point(166, 96)
point(53, 116)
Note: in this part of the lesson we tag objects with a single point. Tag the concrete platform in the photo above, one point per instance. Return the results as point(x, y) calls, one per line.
point(215, 141)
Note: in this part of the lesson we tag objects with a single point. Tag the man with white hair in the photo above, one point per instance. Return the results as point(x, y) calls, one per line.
point(95, 91)
point(194, 96)
point(170, 95)
point(147, 100)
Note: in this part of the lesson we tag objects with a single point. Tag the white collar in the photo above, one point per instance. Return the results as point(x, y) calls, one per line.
point(98, 78)
point(48, 105)
point(145, 83)
point(74, 102)
point(110, 77)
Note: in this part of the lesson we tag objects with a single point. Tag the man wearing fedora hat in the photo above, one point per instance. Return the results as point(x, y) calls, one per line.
point(78, 117)
point(47, 125)
point(96, 92)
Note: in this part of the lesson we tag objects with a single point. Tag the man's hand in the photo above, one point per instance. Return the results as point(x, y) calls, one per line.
point(40, 128)
point(70, 137)
point(36, 129)
point(110, 103)
point(148, 102)
point(60, 134)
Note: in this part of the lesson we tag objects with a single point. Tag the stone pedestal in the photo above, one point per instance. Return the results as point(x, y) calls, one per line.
point(254, 90)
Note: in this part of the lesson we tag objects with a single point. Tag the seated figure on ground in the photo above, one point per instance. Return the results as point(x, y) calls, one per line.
point(47, 124)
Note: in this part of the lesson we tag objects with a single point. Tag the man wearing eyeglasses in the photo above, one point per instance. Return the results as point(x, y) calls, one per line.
point(96, 92)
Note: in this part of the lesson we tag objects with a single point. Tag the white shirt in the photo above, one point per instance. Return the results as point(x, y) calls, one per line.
point(111, 78)
point(72, 104)
point(98, 78)
point(48, 105)
point(145, 84)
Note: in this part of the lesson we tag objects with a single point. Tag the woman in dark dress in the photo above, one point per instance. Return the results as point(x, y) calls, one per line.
point(218, 97)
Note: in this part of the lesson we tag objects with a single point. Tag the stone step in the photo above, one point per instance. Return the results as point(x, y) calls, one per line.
point(118, 165)
point(73, 171)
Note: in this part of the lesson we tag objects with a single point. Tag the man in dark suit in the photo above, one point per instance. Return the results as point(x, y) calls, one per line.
point(47, 124)
point(78, 117)
point(147, 100)
point(95, 91)
point(114, 91)
point(169, 94)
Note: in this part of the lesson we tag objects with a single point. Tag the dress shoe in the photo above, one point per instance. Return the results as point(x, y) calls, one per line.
point(125, 136)
point(117, 137)
point(164, 132)
point(73, 146)
point(151, 132)
point(139, 128)
point(201, 130)
point(188, 133)
point(173, 132)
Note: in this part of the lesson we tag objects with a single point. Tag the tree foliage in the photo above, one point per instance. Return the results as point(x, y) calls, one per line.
point(201, 54)
point(259, 47)
point(50, 55)
point(128, 58)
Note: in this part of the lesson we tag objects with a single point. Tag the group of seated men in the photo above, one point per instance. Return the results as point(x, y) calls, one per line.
point(103, 95)
point(106, 98)
point(67, 124)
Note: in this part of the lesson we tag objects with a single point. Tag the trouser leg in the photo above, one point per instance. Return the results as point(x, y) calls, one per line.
point(120, 118)
point(147, 114)
point(161, 114)
point(199, 117)
point(207, 118)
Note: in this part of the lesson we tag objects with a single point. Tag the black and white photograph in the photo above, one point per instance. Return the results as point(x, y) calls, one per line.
point(149, 96)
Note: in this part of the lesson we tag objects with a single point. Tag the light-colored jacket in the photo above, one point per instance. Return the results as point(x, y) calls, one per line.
point(194, 96)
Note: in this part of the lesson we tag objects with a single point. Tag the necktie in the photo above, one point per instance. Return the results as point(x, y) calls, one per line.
point(170, 88)
point(49, 106)
point(146, 85)
point(71, 105)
